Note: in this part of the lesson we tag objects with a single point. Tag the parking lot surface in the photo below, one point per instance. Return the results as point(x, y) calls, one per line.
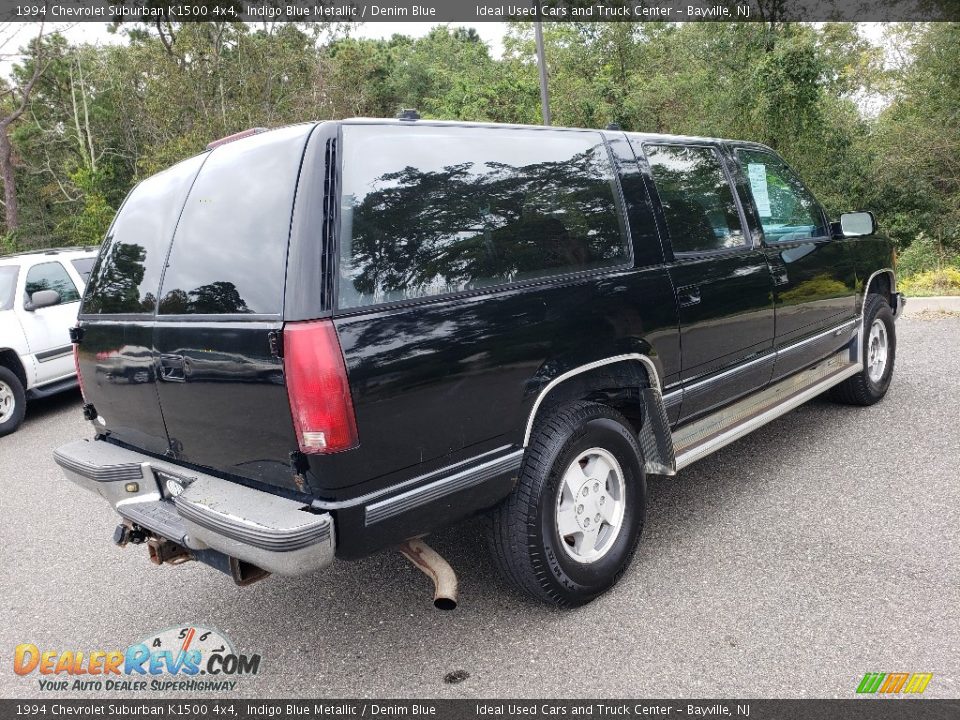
point(823, 546)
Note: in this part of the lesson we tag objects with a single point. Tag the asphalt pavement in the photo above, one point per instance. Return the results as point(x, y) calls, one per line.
point(821, 547)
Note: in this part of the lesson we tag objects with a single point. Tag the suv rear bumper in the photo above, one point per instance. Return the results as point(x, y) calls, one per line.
point(200, 511)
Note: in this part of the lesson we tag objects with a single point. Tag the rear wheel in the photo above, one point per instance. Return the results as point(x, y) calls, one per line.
point(568, 530)
point(13, 401)
point(878, 350)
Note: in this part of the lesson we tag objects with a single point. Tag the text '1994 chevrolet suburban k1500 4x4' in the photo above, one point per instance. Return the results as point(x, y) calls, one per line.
point(332, 338)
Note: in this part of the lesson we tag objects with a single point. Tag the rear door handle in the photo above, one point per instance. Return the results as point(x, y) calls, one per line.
point(780, 276)
point(171, 368)
point(688, 295)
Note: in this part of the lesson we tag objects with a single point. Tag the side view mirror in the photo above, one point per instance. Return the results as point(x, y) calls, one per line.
point(855, 224)
point(42, 299)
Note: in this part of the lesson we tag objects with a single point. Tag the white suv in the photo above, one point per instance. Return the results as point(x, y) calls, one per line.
point(39, 299)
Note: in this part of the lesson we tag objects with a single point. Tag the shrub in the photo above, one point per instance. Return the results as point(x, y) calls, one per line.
point(945, 281)
point(926, 254)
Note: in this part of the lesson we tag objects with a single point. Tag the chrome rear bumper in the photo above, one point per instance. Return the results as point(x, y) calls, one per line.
point(200, 511)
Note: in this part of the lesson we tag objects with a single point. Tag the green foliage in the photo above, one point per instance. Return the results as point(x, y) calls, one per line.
point(90, 223)
point(927, 254)
point(916, 175)
point(8, 243)
point(933, 283)
point(102, 118)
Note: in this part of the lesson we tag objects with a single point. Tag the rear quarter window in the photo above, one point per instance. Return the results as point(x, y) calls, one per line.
point(8, 285)
point(126, 276)
point(229, 252)
point(435, 210)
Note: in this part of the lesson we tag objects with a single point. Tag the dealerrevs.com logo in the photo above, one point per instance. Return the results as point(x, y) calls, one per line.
point(181, 659)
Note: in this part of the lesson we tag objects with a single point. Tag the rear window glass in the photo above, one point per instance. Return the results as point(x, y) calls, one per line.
point(696, 197)
point(126, 277)
point(83, 266)
point(8, 285)
point(430, 210)
point(50, 276)
point(229, 253)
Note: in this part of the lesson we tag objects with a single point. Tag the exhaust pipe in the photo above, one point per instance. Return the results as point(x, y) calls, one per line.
point(436, 568)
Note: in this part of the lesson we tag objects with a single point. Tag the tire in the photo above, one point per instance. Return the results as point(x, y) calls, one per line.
point(879, 339)
point(523, 532)
point(13, 401)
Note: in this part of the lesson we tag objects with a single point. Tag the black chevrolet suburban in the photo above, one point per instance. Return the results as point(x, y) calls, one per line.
point(328, 339)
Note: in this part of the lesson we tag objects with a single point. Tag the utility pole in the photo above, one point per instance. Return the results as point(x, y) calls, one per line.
point(542, 63)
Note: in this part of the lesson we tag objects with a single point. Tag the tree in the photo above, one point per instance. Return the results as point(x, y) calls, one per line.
point(15, 98)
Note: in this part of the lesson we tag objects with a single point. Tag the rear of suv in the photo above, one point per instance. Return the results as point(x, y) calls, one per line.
point(39, 299)
point(332, 338)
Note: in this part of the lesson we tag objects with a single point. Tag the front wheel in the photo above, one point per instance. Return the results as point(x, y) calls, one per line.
point(568, 530)
point(878, 350)
point(13, 401)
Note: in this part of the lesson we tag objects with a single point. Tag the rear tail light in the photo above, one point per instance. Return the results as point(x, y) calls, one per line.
point(317, 385)
point(76, 364)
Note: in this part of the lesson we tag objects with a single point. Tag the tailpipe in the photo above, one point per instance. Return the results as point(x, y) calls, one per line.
point(437, 569)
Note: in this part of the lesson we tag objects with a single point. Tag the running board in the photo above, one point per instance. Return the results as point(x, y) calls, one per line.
point(702, 437)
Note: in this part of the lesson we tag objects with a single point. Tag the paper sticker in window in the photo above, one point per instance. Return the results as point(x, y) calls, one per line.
point(757, 172)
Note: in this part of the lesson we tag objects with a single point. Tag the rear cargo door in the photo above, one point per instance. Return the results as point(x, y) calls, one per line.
point(220, 384)
point(117, 360)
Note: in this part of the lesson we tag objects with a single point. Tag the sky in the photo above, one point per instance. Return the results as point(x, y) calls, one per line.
point(14, 35)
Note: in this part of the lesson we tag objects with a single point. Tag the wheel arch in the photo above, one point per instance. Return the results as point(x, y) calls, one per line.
point(882, 282)
point(629, 382)
point(11, 360)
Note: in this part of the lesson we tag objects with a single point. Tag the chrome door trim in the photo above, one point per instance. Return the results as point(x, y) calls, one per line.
point(836, 330)
point(766, 357)
point(770, 356)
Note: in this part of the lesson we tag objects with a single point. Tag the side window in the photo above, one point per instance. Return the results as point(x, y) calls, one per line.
point(83, 266)
point(51, 276)
point(230, 249)
point(126, 276)
point(787, 209)
point(696, 196)
point(433, 210)
point(8, 285)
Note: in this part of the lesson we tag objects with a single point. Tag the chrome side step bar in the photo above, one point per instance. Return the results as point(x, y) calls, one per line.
point(698, 439)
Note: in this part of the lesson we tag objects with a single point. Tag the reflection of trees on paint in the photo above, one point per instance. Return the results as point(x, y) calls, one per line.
point(816, 288)
point(215, 298)
point(471, 224)
point(115, 287)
